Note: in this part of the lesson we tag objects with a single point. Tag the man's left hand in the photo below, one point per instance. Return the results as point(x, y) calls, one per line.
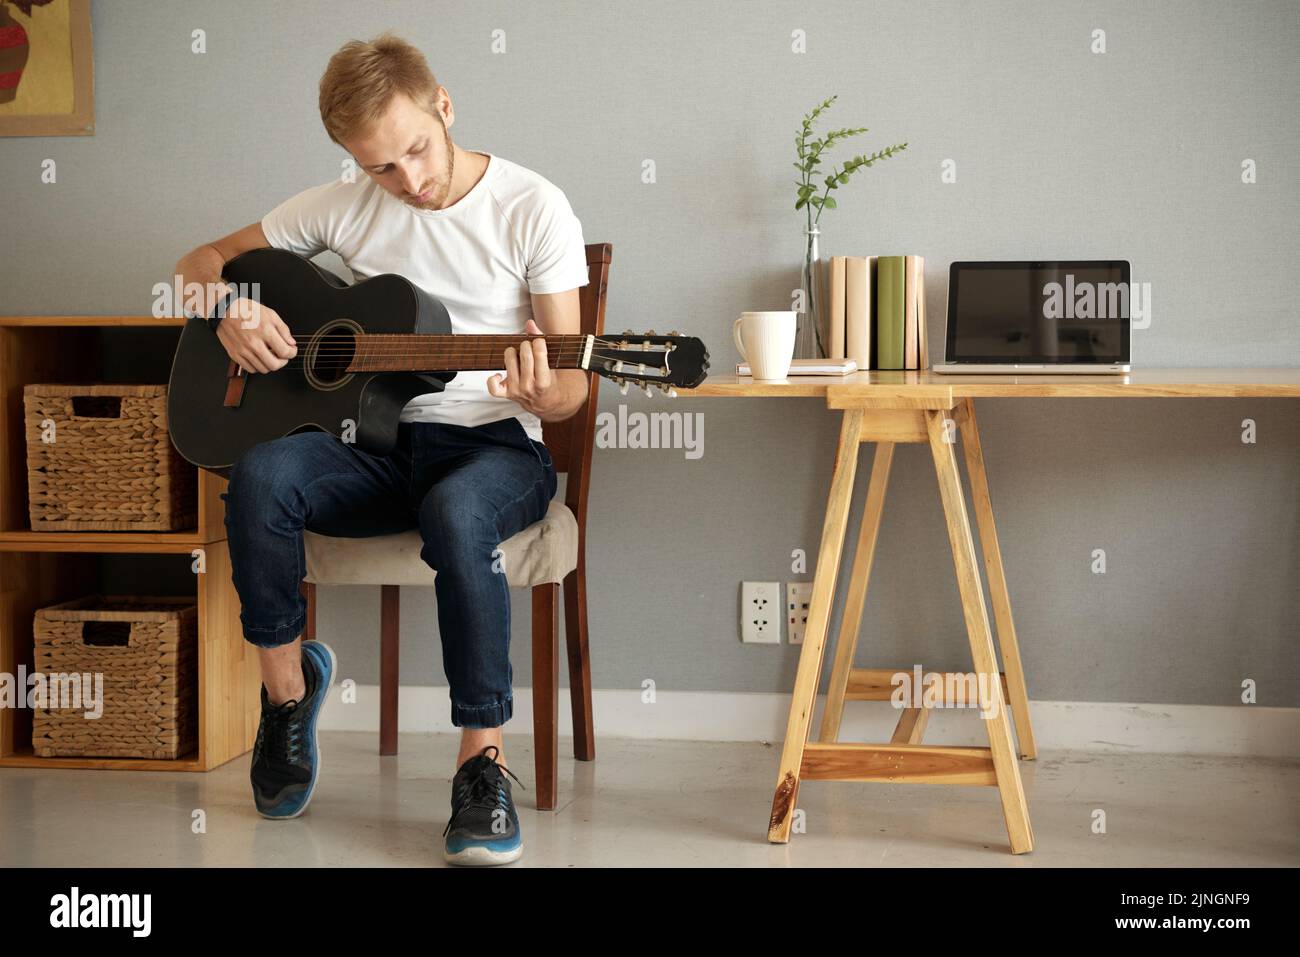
point(529, 379)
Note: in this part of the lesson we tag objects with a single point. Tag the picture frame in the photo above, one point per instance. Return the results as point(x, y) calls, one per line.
point(48, 22)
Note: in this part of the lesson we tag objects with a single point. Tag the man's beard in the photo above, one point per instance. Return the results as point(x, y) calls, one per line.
point(442, 188)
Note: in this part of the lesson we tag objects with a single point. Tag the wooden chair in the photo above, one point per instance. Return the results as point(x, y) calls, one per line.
point(540, 558)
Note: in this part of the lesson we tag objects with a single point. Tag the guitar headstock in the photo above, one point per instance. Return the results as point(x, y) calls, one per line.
point(650, 361)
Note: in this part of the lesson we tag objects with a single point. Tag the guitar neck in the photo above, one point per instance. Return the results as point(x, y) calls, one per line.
point(441, 353)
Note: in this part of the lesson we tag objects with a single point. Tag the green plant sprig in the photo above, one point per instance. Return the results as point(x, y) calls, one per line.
point(810, 158)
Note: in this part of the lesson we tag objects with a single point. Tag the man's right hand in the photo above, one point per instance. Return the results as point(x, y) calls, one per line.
point(256, 337)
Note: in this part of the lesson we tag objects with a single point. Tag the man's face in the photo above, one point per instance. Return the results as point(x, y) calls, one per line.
point(408, 151)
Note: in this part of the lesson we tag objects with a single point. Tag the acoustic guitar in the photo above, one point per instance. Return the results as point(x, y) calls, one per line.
point(364, 351)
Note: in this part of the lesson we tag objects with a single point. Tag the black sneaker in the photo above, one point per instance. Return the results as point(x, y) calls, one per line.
point(484, 828)
point(286, 755)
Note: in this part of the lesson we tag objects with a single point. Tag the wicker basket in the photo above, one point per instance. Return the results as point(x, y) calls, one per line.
point(146, 650)
point(111, 465)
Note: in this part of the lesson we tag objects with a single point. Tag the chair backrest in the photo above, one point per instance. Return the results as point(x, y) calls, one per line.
point(570, 442)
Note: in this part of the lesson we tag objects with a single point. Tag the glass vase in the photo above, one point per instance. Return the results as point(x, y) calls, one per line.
point(809, 318)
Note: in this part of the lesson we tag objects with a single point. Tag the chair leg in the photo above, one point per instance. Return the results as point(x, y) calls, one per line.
point(575, 633)
point(546, 697)
point(389, 617)
point(308, 590)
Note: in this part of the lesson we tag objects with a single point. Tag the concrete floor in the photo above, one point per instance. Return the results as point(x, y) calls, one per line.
point(655, 803)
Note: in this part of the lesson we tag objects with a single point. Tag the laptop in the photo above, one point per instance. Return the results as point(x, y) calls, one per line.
point(1053, 316)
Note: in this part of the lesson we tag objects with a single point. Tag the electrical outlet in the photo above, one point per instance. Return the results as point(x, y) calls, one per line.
point(798, 595)
point(760, 612)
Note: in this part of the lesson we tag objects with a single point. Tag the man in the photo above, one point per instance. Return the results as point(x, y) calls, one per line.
point(500, 246)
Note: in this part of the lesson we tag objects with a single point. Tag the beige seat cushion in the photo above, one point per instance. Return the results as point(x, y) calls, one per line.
point(545, 551)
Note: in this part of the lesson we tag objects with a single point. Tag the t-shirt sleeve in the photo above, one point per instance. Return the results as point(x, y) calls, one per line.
point(306, 223)
point(556, 253)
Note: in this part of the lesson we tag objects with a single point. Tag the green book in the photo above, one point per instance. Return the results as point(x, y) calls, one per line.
point(891, 281)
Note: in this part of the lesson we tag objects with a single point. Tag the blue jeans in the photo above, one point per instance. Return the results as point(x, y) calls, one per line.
point(466, 489)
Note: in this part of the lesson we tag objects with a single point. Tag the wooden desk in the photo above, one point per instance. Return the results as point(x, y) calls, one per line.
point(891, 407)
point(1147, 383)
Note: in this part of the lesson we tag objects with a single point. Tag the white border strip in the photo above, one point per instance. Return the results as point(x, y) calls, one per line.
point(723, 716)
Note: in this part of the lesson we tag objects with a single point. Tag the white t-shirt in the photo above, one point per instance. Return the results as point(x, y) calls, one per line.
point(512, 234)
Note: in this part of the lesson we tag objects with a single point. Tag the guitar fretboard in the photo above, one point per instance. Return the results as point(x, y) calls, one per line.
point(419, 353)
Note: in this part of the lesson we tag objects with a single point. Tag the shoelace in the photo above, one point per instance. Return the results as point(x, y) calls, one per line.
point(283, 735)
point(282, 743)
point(483, 789)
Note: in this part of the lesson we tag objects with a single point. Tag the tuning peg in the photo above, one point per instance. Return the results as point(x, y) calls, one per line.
point(649, 392)
point(674, 333)
point(627, 332)
point(622, 386)
point(650, 332)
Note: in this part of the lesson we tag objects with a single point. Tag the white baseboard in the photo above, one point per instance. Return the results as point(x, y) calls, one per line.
point(727, 716)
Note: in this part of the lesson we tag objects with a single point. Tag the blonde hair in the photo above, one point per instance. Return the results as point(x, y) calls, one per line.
point(363, 77)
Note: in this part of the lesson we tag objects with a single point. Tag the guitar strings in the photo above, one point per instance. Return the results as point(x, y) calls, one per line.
point(551, 357)
point(387, 347)
point(420, 366)
point(390, 348)
point(571, 349)
point(477, 358)
point(387, 350)
point(477, 349)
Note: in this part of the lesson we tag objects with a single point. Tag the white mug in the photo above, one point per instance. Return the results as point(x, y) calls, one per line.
point(766, 341)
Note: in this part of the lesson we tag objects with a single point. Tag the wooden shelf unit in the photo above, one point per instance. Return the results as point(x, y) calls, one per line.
point(40, 568)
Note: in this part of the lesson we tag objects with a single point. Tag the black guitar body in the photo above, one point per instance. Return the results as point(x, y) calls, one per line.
point(312, 391)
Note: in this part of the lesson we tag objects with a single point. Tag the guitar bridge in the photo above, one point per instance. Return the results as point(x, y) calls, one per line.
point(235, 379)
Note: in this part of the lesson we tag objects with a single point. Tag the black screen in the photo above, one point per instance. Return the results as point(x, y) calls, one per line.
point(1039, 312)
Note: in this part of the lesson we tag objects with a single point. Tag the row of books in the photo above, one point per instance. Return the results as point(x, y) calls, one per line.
point(876, 312)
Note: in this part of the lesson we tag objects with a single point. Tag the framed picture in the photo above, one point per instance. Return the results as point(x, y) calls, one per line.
point(47, 79)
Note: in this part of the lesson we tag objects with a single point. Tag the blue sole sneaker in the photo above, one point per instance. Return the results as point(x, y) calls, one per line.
point(484, 827)
point(286, 755)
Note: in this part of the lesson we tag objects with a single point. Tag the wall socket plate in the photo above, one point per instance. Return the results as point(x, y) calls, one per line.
point(798, 596)
point(760, 612)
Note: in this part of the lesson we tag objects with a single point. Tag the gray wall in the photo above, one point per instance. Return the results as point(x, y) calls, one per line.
point(1060, 153)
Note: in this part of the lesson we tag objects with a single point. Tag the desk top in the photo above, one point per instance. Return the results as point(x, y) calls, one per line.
point(1143, 383)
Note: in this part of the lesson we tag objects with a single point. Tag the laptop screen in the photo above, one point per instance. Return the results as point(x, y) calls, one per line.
point(1039, 312)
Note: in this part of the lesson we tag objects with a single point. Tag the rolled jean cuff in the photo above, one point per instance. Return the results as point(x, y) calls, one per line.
point(482, 716)
point(275, 637)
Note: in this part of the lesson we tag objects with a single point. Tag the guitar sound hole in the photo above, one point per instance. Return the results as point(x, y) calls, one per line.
point(331, 350)
point(332, 358)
